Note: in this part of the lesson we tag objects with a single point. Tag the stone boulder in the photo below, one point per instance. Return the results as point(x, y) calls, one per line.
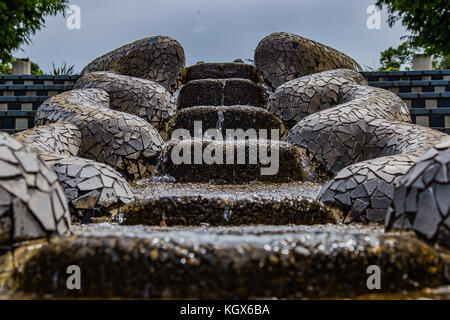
point(91, 188)
point(160, 59)
point(366, 139)
point(32, 202)
point(137, 96)
point(126, 142)
point(421, 199)
point(299, 98)
point(281, 57)
point(62, 138)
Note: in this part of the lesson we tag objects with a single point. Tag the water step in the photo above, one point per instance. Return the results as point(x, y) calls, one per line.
point(227, 117)
point(195, 204)
point(224, 262)
point(221, 71)
point(221, 92)
point(233, 162)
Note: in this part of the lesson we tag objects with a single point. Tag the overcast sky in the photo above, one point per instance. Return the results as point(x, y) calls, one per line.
point(210, 30)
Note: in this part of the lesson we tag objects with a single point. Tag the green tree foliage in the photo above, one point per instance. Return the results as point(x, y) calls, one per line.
point(427, 20)
point(393, 58)
point(20, 19)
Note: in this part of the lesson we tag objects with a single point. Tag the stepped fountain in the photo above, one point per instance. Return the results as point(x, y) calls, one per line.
point(284, 179)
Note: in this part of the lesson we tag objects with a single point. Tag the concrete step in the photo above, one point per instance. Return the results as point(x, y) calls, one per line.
point(220, 71)
point(222, 92)
point(242, 161)
point(227, 117)
point(223, 262)
point(196, 204)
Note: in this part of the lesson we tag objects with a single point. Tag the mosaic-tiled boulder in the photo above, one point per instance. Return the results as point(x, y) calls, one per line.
point(126, 142)
point(299, 98)
point(281, 57)
point(366, 139)
point(91, 188)
point(32, 202)
point(160, 59)
point(365, 189)
point(422, 197)
point(62, 138)
point(344, 134)
point(137, 96)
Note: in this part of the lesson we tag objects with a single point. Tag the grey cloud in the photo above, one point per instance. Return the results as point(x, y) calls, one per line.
point(219, 30)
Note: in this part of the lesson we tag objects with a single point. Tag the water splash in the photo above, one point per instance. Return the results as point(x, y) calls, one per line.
point(220, 120)
point(224, 82)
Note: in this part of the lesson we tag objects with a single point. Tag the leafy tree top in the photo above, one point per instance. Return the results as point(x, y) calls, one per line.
point(427, 20)
point(20, 19)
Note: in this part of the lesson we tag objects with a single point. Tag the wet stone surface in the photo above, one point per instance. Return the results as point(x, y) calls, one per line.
point(233, 162)
point(228, 117)
point(221, 71)
point(191, 204)
point(229, 262)
point(222, 92)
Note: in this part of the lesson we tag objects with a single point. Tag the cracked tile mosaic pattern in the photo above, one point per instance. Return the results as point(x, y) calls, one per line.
point(90, 187)
point(160, 59)
point(282, 56)
point(370, 133)
point(299, 98)
point(126, 142)
point(422, 197)
point(32, 202)
point(140, 97)
point(61, 138)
